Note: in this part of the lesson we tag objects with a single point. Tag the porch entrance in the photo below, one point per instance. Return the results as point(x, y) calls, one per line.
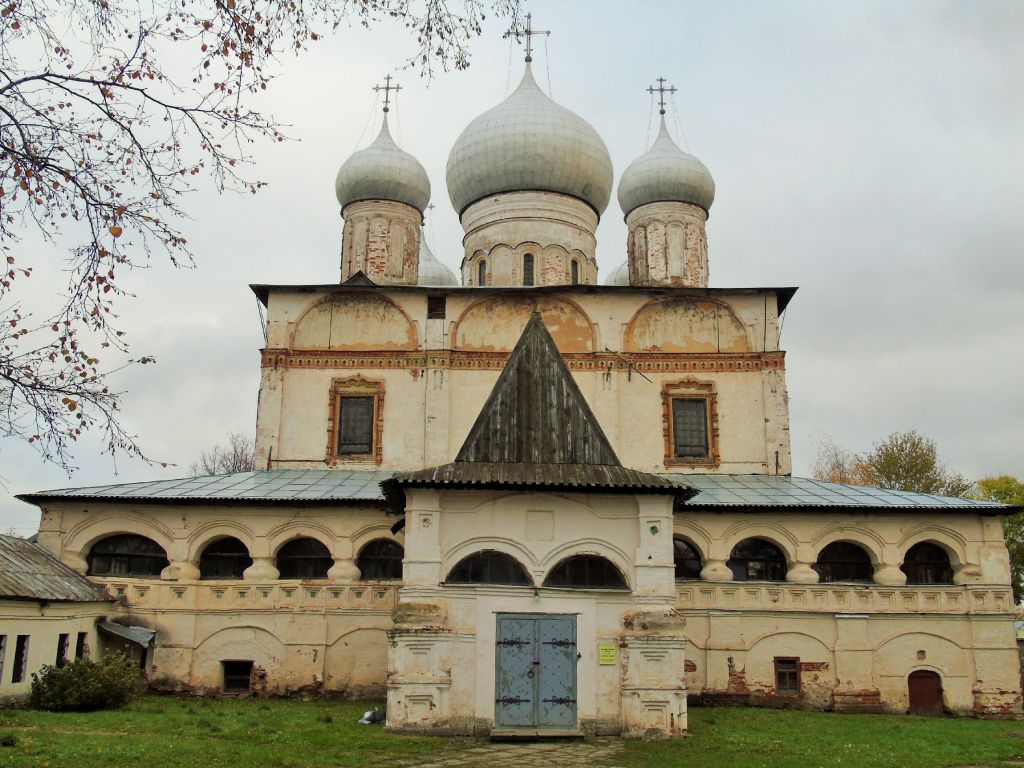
point(925, 688)
point(535, 672)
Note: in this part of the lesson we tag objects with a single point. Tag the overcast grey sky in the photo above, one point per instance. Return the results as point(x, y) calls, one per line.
point(871, 153)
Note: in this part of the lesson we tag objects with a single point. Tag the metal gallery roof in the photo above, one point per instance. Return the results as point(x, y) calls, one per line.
point(29, 572)
point(347, 487)
point(786, 491)
point(276, 486)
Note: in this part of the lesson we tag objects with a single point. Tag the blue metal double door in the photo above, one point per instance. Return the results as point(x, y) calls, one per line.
point(535, 666)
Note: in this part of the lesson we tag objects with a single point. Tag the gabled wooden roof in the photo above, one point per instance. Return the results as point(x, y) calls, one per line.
point(535, 431)
point(536, 413)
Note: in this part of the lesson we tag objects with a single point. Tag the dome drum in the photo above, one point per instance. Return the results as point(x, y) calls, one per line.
point(667, 245)
point(381, 239)
point(555, 231)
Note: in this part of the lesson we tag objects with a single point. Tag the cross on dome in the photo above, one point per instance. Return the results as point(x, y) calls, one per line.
point(661, 90)
point(387, 88)
point(530, 32)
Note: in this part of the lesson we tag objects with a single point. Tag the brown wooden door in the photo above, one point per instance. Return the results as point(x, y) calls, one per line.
point(925, 693)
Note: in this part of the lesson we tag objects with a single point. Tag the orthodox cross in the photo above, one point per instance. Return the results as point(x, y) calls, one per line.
point(661, 90)
point(530, 32)
point(387, 88)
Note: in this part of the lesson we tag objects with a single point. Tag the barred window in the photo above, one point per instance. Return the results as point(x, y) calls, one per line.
point(489, 567)
point(844, 561)
point(690, 426)
point(355, 420)
point(304, 559)
point(127, 555)
point(528, 269)
point(585, 572)
point(225, 558)
point(686, 558)
point(927, 563)
point(757, 560)
point(381, 559)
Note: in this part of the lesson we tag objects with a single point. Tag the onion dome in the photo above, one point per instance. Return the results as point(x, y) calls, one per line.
point(619, 275)
point(529, 143)
point(382, 171)
point(665, 174)
point(433, 272)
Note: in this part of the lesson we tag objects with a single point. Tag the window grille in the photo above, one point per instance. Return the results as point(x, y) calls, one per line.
point(585, 572)
point(690, 426)
point(380, 560)
point(686, 558)
point(355, 420)
point(927, 563)
point(489, 567)
point(528, 269)
point(844, 561)
point(127, 555)
point(757, 560)
point(237, 676)
point(225, 558)
point(304, 559)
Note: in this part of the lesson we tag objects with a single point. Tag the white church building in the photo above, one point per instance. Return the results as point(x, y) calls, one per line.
point(526, 501)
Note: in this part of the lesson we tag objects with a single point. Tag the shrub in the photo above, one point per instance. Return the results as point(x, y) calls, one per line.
point(85, 685)
point(8, 740)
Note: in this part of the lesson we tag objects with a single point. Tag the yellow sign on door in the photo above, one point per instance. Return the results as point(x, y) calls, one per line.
point(607, 653)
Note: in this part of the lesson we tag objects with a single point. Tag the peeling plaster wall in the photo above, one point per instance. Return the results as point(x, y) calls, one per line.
point(623, 348)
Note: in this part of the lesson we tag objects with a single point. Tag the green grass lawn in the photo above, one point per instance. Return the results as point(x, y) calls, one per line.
point(165, 732)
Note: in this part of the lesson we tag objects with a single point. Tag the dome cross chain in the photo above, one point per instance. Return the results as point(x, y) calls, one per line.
point(387, 88)
point(661, 90)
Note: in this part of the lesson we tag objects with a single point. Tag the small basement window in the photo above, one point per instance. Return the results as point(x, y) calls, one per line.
point(787, 676)
point(237, 676)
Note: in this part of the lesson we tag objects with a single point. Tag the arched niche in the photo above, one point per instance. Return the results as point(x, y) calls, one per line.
point(585, 572)
point(686, 325)
point(844, 561)
point(355, 322)
point(224, 558)
point(380, 560)
point(757, 559)
point(496, 323)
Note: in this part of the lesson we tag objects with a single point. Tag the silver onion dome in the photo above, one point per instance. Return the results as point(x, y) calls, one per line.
point(529, 143)
point(665, 173)
point(383, 171)
point(619, 275)
point(433, 272)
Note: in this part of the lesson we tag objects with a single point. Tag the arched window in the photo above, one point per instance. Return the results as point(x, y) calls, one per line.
point(575, 270)
point(489, 567)
point(586, 572)
point(225, 558)
point(927, 563)
point(127, 555)
point(380, 560)
point(481, 273)
point(843, 561)
point(528, 269)
point(686, 558)
point(304, 559)
point(757, 560)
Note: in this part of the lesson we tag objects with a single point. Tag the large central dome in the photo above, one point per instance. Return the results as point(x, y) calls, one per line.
point(529, 143)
